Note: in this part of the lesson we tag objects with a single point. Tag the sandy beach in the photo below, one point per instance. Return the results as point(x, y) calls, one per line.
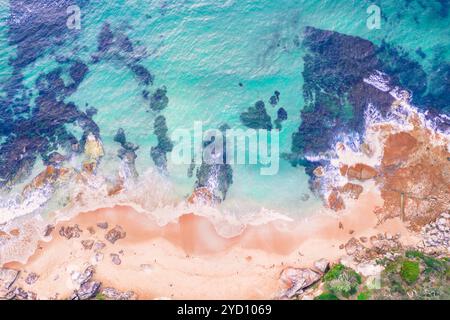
point(189, 260)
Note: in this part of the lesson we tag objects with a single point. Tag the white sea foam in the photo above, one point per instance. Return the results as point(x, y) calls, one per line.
point(379, 80)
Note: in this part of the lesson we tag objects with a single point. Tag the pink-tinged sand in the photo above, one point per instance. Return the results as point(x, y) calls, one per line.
point(189, 260)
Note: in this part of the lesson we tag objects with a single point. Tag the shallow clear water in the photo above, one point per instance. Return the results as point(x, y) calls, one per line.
point(201, 51)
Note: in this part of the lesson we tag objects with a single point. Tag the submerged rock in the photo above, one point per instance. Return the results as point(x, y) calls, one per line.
point(120, 137)
point(214, 178)
point(275, 98)
point(159, 100)
point(142, 74)
point(281, 116)
point(164, 146)
point(256, 117)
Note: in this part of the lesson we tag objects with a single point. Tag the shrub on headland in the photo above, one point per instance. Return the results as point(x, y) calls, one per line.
point(411, 275)
point(416, 276)
point(342, 281)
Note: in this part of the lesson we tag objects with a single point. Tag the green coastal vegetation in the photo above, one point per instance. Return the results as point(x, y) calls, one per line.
point(411, 275)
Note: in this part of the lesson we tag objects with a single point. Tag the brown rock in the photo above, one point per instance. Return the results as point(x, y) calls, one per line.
point(115, 234)
point(203, 196)
point(398, 147)
point(353, 246)
point(335, 201)
point(319, 171)
point(363, 239)
point(343, 170)
point(87, 244)
point(341, 226)
point(89, 167)
point(14, 232)
point(4, 234)
point(49, 229)
point(362, 172)
point(352, 189)
point(70, 232)
point(366, 149)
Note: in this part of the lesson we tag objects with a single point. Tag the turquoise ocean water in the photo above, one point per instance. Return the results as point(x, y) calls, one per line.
point(200, 51)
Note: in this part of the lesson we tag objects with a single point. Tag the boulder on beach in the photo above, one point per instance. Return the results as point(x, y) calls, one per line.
point(297, 279)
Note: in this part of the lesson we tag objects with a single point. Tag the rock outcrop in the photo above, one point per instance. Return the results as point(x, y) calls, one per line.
point(7, 278)
point(297, 280)
point(378, 246)
point(70, 232)
point(361, 172)
point(115, 234)
point(416, 181)
point(436, 235)
point(114, 294)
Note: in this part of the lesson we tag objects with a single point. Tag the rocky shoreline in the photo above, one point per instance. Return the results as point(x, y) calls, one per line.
point(85, 287)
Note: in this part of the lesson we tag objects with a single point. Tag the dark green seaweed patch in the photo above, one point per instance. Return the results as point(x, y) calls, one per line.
point(159, 99)
point(256, 117)
point(164, 146)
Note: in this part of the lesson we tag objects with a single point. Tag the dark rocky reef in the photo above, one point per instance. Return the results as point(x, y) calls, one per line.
point(430, 92)
point(118, 46)
point(256, 117)
point(42, 129)
point(127, 152)
point(36, 26)
point(142, 74)
point(159, 100)
point(275, 98)
point(281, 116)
point(29, 129)
point(217, 177)
point(164, 146)
point(336, 96)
